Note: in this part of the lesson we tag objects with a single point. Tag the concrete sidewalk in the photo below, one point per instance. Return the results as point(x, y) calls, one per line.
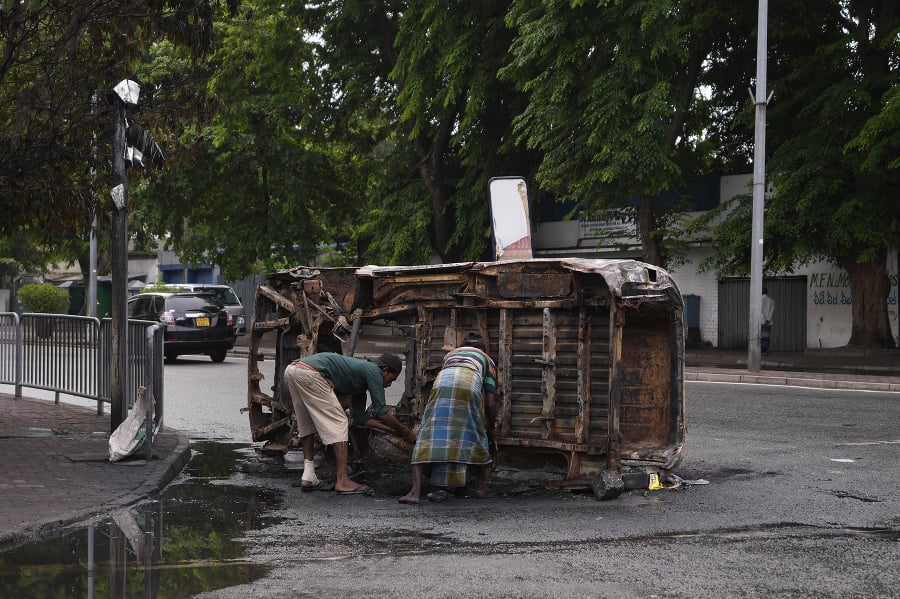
point(54, 469)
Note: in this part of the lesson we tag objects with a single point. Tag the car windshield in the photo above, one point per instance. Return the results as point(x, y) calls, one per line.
point(184, 304)
point(224, 294)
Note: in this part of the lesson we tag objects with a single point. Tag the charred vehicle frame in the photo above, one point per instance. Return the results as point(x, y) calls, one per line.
point(590, 354)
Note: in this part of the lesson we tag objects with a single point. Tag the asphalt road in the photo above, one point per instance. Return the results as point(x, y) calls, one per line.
point(801, 502)
point(204, 400)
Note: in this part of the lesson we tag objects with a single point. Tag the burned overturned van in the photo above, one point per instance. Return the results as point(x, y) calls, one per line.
point(589, 354)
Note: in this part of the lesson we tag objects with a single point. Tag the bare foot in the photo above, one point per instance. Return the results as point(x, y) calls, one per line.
point(409, 500)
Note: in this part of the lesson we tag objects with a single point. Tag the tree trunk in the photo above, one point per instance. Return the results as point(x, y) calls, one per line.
point(651, 249)
point(869, 290)
point(430, 148)
point(430, 169)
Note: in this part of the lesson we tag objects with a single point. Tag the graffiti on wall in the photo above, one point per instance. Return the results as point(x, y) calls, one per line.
point(833, 289)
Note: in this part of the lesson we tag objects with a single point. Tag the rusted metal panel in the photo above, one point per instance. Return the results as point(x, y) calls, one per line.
point(646, 380)
point(405, 289)
point(613, 437)
point(589, 352)
point(540, 285)
point(548, 375)
point(584, 376)
point(505, 386)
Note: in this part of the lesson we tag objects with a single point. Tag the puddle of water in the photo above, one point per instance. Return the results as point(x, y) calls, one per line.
point(214, 460)
point(185, 543)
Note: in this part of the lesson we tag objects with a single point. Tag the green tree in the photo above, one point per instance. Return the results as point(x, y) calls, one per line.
point(60, 60)
point(833, 129)
point(422, 77)
point(265, 182)
point(613, 102)
point(375, 121)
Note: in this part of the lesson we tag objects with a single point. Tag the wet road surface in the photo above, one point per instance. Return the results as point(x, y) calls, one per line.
point(801, 502)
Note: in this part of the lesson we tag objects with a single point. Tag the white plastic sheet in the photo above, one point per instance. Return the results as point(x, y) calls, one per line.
point(129, 436)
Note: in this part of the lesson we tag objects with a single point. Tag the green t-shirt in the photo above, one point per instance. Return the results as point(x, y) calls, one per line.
point(352, 376)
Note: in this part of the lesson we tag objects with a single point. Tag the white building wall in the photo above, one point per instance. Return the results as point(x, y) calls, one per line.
point(145, 266)
point(704, 285)
point(829, 317)
point(733, 185)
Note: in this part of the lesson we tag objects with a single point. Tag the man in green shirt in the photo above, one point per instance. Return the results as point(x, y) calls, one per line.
point(314, 383)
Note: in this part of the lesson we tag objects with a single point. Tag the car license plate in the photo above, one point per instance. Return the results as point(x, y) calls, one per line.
point(202, 321)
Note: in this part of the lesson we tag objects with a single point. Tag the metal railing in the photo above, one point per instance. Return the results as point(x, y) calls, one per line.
point(58, 353)
point(72, 355)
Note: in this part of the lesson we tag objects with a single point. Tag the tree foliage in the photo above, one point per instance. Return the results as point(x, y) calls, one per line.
point(373, 122)
point(613, 101)
point(59, 62)
point(423, 76)
point(59, 59)
point(376, 124)
point(265, 182)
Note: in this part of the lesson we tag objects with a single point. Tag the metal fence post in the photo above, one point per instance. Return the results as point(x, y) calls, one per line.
point(150, 359)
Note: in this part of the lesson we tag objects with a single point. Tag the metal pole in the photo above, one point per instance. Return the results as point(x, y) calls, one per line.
point(759, 185)
point(92, 275)
point(119, 250)
point(92, 297)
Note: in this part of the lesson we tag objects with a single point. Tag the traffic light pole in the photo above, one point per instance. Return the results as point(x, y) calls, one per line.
point(119, 250)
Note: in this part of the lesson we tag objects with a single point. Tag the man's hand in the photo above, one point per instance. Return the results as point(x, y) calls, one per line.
point(397, 427)
point(378, 426)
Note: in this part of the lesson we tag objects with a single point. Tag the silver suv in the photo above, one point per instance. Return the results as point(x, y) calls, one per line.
point(226, 296)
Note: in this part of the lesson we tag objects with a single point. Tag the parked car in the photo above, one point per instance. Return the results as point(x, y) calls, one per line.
point(196, 323)
point(226, 296)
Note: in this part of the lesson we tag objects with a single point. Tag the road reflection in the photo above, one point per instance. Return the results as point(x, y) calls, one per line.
point(186, 542)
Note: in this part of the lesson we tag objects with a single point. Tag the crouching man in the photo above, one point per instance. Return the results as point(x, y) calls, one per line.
point(314, 383)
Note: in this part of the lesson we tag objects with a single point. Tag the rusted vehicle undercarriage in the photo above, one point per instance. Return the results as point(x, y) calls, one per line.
point(590, 354)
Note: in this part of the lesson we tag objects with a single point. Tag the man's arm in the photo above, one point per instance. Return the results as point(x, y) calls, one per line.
point(399, 428)
point(388, 423)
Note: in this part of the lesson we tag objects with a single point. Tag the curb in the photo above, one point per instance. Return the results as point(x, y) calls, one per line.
point(175, 462)
point(813, 383)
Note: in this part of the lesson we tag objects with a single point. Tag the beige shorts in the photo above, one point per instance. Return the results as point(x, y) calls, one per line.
point(316, 406)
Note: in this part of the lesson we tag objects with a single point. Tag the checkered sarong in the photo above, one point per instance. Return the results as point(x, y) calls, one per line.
point(453, 431)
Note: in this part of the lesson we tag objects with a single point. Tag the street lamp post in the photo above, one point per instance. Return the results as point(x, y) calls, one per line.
point(759, 184)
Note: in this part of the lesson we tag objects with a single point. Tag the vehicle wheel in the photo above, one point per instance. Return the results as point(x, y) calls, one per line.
point(171, 358)
point(218, 356)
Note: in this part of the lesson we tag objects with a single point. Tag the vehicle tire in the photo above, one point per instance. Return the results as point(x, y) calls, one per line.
point(218, 356)
point(171, 358)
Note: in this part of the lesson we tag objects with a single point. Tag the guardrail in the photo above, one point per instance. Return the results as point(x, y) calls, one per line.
point(72, 355)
